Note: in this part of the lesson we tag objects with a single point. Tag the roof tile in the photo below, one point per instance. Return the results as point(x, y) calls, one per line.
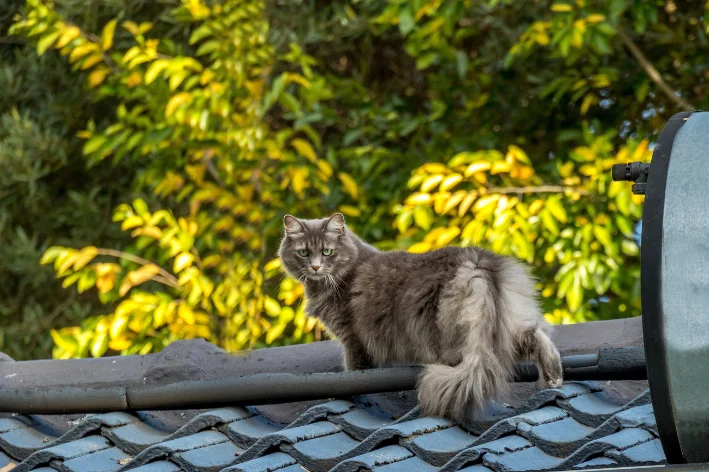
point(106, 460)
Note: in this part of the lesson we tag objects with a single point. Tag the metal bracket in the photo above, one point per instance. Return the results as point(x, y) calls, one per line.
point(636, 172)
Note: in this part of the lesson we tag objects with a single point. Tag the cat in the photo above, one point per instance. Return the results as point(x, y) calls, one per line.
point(466, 313)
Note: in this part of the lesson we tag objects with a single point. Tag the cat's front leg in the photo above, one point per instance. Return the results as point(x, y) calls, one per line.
point(356, 357)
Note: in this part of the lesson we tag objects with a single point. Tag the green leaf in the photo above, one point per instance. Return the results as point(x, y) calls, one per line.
point(575, 295)
point(629, 248)
point(207, 47)
point(549, 222)
point(554, 206)
point(406, 19)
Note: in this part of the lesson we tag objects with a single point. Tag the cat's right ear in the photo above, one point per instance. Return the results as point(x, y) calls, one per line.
point(292, 225)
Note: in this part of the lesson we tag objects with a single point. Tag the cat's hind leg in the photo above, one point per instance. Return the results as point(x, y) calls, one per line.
point(536, 346)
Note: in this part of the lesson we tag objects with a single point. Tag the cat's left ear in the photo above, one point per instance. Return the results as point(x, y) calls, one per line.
point(336, 224)
point(292, 225)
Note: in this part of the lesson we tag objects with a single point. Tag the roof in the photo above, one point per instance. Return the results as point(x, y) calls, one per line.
point(577, 426)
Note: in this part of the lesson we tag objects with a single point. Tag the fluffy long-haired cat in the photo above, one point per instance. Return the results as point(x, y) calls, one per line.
point(466, 313)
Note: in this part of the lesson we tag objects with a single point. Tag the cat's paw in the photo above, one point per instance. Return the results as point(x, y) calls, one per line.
point(551, 383)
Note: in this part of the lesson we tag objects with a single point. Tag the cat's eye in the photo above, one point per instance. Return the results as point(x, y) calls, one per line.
point(303, 252)
point(327, 252)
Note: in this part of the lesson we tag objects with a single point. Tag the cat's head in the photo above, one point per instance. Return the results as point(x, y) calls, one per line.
point(315, 250)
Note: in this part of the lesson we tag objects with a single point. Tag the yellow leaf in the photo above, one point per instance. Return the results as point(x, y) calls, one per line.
point(580, 25)
point(131, 27)
point(450, 182)
point(91, 61)
point(454, 200)
point(97, 76)
point(182, 261)
point(325, 168)
point(68, 35)
point(423, 217)
point(588, 101)
point(155, 69)
point(143, 274)
point(499, 167)
point(186, 313)
point(435, 168)
point(447, 236)
point(429, 183)
point(85, 256)
point(131, 222)
point(349, 210)
point(305, 149)
point(476, 167)
point(349, 184)
point(105, 283)
point(118, 327)
point(419, 199)
point(119, 344)
point(275, 332)
point(66, 263)
point(107, 35)
point(300, 176)
point(467, 201)
point(561, 7)
point(99, 345)
point(595, 18)
point(81, 50)
point(485, 201)
point(535, 207)
point(420, 247)
point(439, 201)
point(271, 306)
point(175, 101)
point(515, 154)
point(639, 153)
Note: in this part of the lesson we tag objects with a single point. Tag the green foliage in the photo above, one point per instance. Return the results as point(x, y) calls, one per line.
point(214, 118)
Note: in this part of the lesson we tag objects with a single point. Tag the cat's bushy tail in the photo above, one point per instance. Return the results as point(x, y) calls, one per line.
point(494, 310)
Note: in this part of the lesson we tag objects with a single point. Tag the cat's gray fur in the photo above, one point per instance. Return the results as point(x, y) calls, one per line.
point(467, 313)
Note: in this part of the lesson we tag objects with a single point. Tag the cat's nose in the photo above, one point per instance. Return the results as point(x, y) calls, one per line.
point(315, 268)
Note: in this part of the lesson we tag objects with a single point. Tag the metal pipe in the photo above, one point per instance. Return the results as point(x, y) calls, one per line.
point(609, 364)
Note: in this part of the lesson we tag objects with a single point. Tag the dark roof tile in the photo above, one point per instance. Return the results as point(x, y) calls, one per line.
point(106, 460)
point(210, 458)
point(134, 437)
point(267, 463)
point(64, 452)
point(374, 459)
point(159, 466)
point(168, 448)
point(647, 453)
point(247, 432)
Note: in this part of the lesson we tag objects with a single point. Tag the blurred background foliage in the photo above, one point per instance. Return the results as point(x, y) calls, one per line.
point(149, 150)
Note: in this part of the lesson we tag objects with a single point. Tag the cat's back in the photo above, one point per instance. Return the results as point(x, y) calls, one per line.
point(389, 272)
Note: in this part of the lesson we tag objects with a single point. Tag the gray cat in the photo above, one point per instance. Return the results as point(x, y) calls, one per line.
point(467, 313)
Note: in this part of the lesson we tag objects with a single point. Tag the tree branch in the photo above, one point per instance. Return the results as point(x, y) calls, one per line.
point(539, 189)
point(139, 260)
point(650, 70)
